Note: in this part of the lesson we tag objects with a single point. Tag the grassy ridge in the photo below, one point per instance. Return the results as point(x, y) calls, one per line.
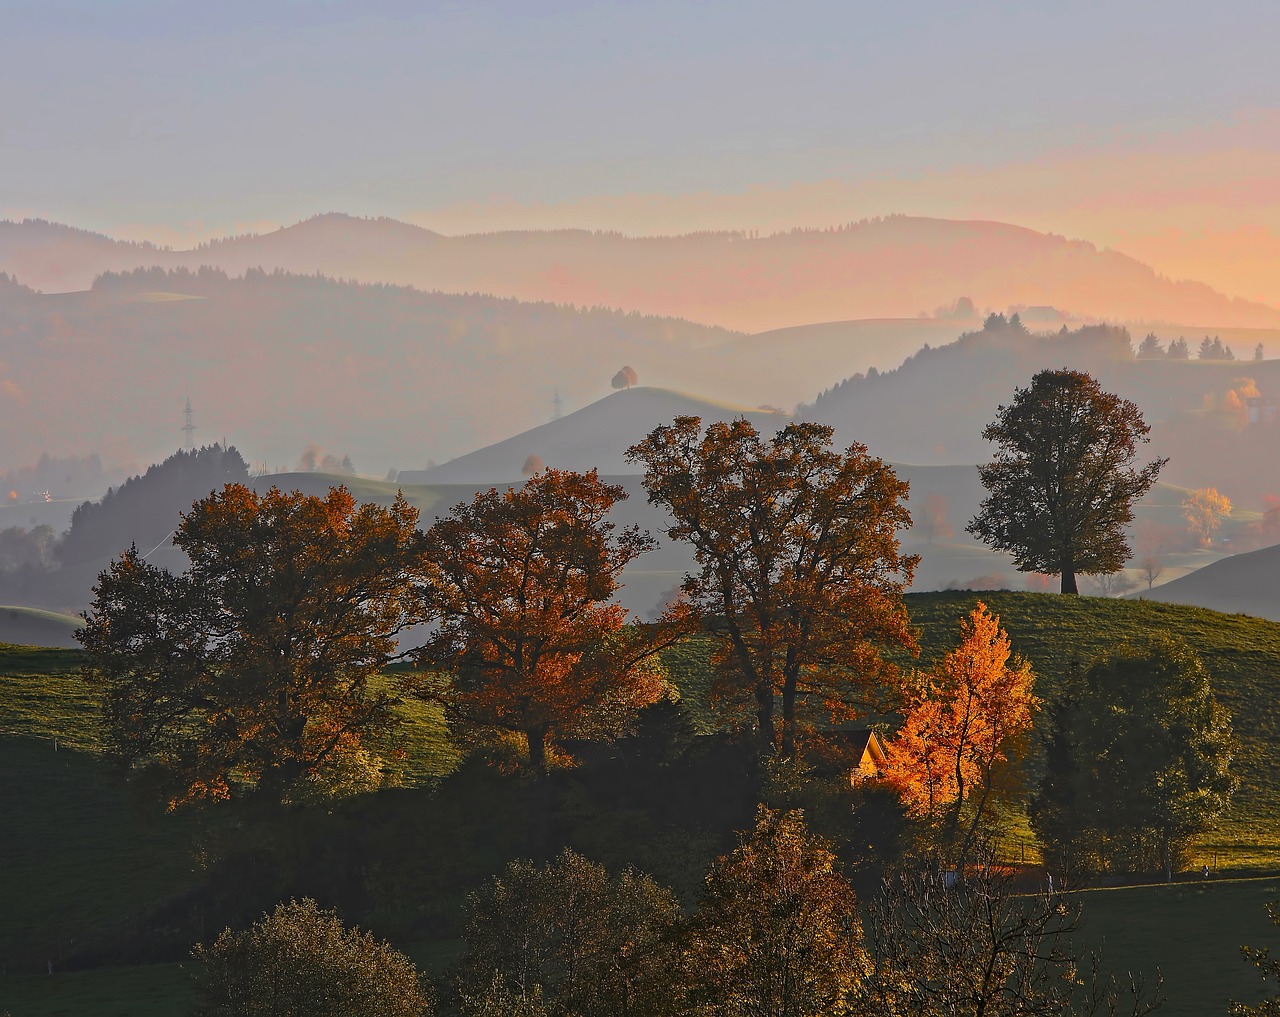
point(1242, 654)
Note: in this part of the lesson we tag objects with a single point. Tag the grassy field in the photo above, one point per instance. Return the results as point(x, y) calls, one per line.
point(84, 856)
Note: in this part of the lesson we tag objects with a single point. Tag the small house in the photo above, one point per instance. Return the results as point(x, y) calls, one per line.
point(864, 747)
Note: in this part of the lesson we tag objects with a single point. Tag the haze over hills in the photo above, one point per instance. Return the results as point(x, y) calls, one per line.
point(275, 363)
point(890, 267)
point(933, 408)
point(594, 437)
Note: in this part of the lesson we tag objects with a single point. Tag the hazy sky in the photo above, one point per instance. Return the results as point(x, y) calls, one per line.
point(1151, 126)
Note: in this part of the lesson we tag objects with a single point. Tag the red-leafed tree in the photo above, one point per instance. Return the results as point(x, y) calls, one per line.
point(799, 564)
point(254, 668)
point(528, 641)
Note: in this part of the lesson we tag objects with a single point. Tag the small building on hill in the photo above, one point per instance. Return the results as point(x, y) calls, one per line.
point(865, 748)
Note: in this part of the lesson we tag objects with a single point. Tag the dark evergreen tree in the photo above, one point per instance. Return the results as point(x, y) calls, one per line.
point(1150, 347)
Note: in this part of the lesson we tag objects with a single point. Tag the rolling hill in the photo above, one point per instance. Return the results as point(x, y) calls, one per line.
point(594, 437)
point(934, 406)
point(1242, 583)
point(893, 267)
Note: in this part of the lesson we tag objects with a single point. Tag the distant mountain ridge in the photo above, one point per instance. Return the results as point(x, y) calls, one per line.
point(893, 267)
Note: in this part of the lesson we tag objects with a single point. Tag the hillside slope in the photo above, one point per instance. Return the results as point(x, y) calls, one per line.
point(594, 437)
point(935, 405)
point(1243, 583)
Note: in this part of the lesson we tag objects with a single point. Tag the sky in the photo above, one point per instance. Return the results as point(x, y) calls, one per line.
point(1151, 127)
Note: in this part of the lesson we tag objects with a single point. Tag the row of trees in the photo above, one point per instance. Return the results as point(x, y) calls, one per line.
point(1209, 349)
point(259, 665)
point(777, 932)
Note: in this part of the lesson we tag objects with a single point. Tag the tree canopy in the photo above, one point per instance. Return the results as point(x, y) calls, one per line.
point(566, 939)
point(300, 960)
point(528, 641)
point(1061, 487)
point(800, 568)
point(1139, 762)
point(967, 715)
point(254, 667)
point(777, 932)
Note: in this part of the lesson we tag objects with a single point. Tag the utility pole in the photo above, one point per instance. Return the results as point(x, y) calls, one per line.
point(189, 429)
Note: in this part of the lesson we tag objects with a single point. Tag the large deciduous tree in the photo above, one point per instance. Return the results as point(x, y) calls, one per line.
point(800, 568)
point(254, 666)
point(966, 717)
point(527, 639)
point(1139, 763)
point(566, 939)
point(777, 933)
point(1061, 487)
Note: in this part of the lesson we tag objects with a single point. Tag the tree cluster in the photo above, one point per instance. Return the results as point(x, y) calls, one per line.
point(1137, 762)
point(777, 933)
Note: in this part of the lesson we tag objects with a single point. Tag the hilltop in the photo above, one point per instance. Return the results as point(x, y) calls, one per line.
point(390, 376)
point(594, 437)
point(890, 267)
point(934, 406)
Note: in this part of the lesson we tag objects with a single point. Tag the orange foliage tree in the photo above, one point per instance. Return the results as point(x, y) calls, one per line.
point(527, 641)
point(800, 566)
point(1204, 510)
point(968, 713)
point(253, 668)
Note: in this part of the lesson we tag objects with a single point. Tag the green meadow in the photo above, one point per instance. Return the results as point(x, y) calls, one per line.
point(88, 858)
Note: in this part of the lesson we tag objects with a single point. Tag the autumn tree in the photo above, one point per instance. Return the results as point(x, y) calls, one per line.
point(625, 378)
point(1151, 568)
point(799, 565)
point(777, 933)
point(528, 641)
point(1204, 510)
point(300, 960)
point(565, 938)
point(1142, 761)
point(1061, 487)
point(966, 717)
point(255, 666)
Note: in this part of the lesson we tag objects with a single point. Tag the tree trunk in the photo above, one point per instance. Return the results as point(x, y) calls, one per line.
point(1069, 577)
point(537, 737)
point(764, 715)
point(789, 717)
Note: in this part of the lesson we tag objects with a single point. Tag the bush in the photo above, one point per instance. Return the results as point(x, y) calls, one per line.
point(303, 962)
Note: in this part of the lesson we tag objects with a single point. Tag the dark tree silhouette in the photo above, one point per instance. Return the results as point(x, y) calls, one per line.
point(254, 668)
point(1060, 489)
point(625, 378)
point(1150, 347)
